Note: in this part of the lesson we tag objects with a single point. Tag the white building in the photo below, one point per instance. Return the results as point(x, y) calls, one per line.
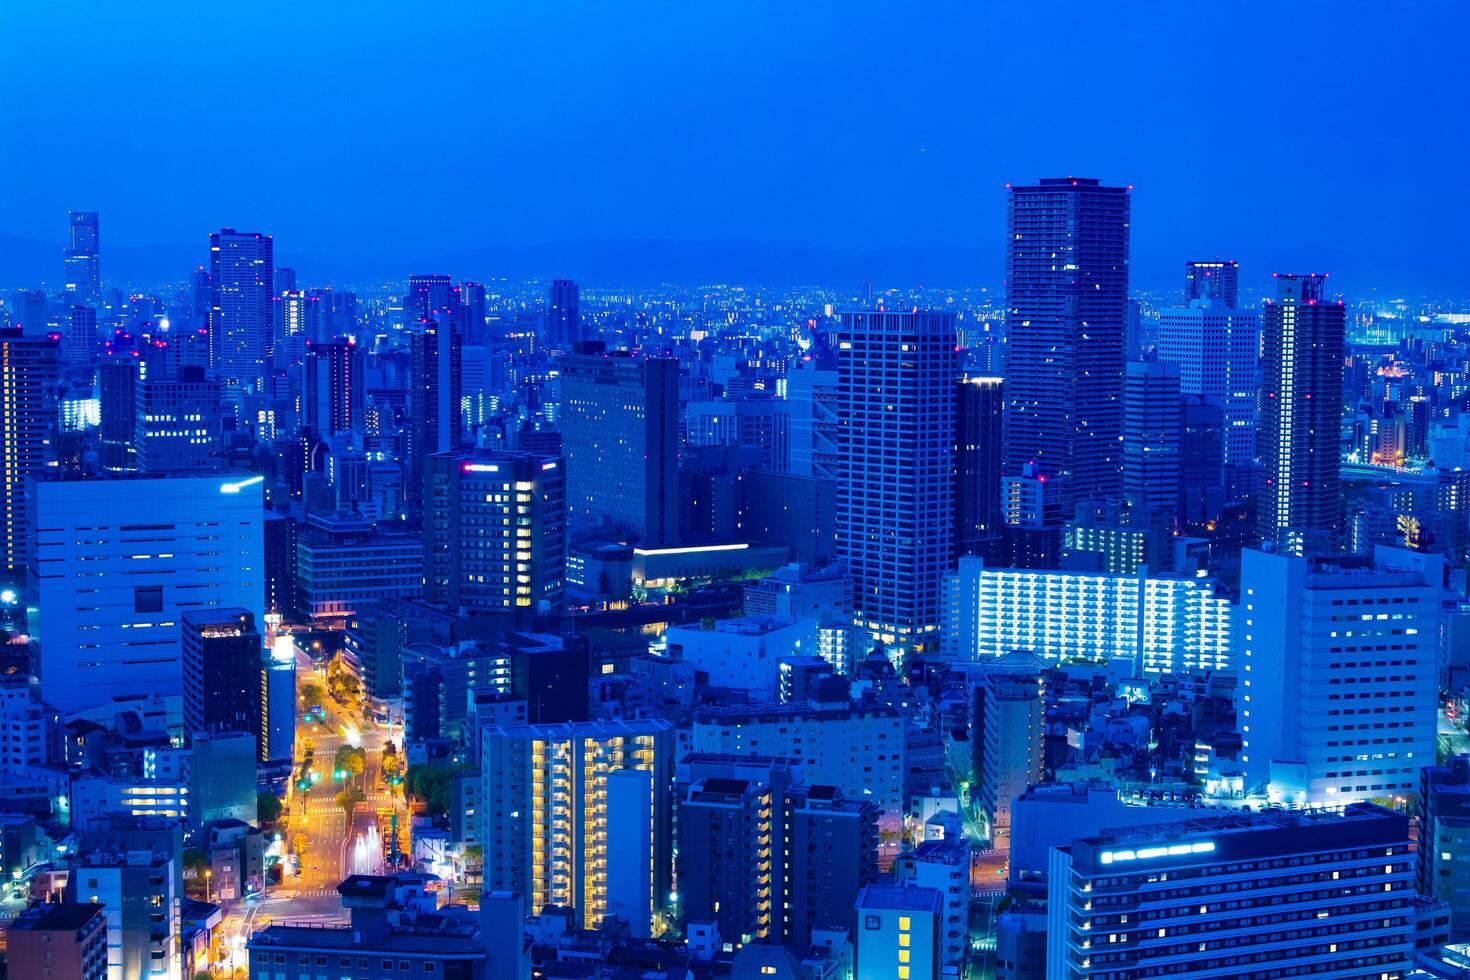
point(1217, 350)
point(799, 591)
point(1163, 624)
point(745, 652)
point(1339, 663)
point(898, 933)
point(944, 865)
point(136, 890)
point(1309, 893)
point(115, 563)
point(1009, 737)
point(857, 748)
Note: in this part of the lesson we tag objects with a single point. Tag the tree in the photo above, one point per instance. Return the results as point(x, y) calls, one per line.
point(350, 760)
point(348, 800)
point(311, 693)
point(391, 766)
point(431, 784)
point(268, 807)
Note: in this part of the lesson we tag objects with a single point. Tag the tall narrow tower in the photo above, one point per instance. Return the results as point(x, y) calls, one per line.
point(242, 314)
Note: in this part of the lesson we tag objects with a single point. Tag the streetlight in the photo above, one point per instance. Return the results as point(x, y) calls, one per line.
point(207, 882)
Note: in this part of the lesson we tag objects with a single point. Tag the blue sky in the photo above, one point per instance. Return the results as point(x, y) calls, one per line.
point(1311, 133)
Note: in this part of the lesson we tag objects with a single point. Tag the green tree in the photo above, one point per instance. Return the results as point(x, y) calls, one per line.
point(350, 760)
point(268, 807)
point(430, 784)
point(311, 693)
point(348, 800)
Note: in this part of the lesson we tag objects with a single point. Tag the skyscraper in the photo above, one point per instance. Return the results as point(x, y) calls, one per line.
point(434, 399)
point(977, 464)
point(1214, 280)
point(30, 369)
point(1151, 448)
point(620, 437)
point(897, 375)
point(178, 423)
point(80, 345)
point(429, 295)
point(332, 387)
point(81, 264)
point(1299, 506)
point(1067, 282)
point(563, 315)
point(242, 272)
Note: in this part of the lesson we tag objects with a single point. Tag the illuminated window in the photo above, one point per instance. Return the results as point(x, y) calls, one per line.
point(903, 923)
point(903, 973)
point(903, 956)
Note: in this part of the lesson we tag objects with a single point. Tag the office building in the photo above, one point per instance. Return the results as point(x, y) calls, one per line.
point(428, 296)
point(897, 374)
point(1339, 674)
point(798, 512)
point(80, 345)
point(280, 708)
point(222, 777)
point(899, 933)
point(1110, 536)
point(620, 434)
point(1295, 893)
point(563, 315)
point(580, 814)
point(1067, 294)
point(1217, 351)
point(495, 532)
point(64, 940)
point(82, 263)
point(1443, 871)
point(745, 652)
point(118, 376)
point(1217, 280)
point(753, 420)
point(116, 563)
point(223, 673)
point(30, 370)
point(812, 390)
point(332, 387)
point(858, 748)
point(179, 421)
point(1164, 624)
point(1151, 436)
point(1299, 506)
point(978, 464)
point(241, 318)
point(344, 563)
point(798, 591)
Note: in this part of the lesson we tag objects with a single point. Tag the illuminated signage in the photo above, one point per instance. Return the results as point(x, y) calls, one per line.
point(1148, 853)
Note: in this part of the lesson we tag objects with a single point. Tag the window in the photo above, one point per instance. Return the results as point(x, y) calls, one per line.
point(148, 599)
point(872, 922)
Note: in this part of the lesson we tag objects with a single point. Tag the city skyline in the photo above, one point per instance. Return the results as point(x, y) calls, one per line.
point(748, 154)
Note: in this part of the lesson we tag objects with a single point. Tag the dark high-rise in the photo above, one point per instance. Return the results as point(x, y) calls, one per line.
point(223, 660)
point(1151, 434)
point(1299, 503)
point(118, 377)
point(1067, 287)
point(434, 396)
point(977, 464)
point(564, 315)
point(242, 315)
point(332, 387)
point(428, 295)
point(178, 423)
point(1217, 279)
point(82, 262)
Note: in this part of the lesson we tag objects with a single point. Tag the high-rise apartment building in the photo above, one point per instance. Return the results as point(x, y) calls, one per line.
point(1151, 436)
point(620, 437)
point(115, 564)
point(495, 532)
point(1067, 289)
point(64, 940)
point(332, 387)
point(1164, 624)
point(1339, 673)
point(1288, 893)
point(1008, 735)
point(241, 318)
point(1299, 505)
point(1444, 838)
point(30, 369)
point(978, 519)
point(82, 267)
point(897, 375)
point(1216, 279)
point(580, 814)
point(564, 315)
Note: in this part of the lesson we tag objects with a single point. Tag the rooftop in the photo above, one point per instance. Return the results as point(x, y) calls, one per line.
point(900, 898)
